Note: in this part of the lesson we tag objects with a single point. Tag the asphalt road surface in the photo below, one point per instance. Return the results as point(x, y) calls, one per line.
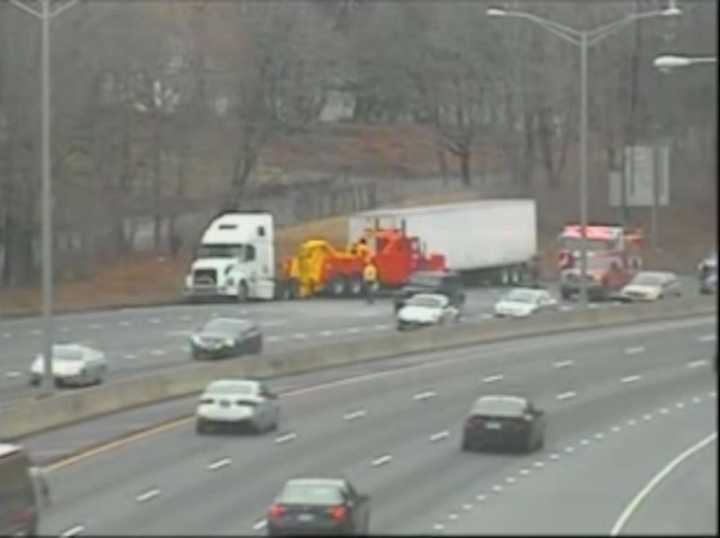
point(621, 404)
point(140, 340)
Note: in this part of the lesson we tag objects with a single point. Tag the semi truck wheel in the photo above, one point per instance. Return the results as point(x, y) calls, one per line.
point(356, 286)
point(242, 295)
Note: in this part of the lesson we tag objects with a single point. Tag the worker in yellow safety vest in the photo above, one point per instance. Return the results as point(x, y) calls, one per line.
point(370, 277)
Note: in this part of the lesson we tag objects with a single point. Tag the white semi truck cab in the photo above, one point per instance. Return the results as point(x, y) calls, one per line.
point(235, 258)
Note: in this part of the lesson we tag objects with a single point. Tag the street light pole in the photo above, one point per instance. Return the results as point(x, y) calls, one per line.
point(583, 39)
point(46, 15)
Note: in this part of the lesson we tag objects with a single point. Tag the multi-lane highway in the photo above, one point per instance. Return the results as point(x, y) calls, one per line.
point(140, 340)
point(622, 403)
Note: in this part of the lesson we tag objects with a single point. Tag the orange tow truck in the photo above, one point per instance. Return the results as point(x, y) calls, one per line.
point(320, 268)
point(613, 258)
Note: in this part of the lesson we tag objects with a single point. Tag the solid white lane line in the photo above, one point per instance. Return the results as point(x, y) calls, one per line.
point(659, 477)
point(439, 435)
point(73, 531)
point(286, 438)
point(695, 364)
point(355, 414)
point(382, 460)
point(424, 395)
point(219, 464)
point(563, 364)
point(150, 494)
point(707, 338)
point(634, 350)
point(259, 525)
point(630, 379)
point(492, 378)
point(566, 395)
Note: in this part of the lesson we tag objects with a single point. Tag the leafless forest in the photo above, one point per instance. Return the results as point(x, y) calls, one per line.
point(140, 87)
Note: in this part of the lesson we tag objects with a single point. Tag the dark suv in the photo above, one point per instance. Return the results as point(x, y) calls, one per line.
point(447, 283)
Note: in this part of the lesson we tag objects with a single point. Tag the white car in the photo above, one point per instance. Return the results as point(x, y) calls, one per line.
point(651, 286)
point(235, 403)
point(72, 364)
point(523, 302)
point(426, 309)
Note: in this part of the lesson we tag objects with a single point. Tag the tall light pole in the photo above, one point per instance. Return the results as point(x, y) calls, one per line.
point(46, 14)
point(584, 39)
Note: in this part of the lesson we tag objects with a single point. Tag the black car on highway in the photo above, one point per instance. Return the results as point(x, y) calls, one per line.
point(446, 283)
point(314, 506)
point(504, 421)
point(226, 337)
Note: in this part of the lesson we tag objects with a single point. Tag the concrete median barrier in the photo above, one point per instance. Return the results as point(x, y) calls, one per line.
point(31, 416)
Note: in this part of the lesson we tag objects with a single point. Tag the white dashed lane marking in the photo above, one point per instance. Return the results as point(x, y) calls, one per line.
point(707, 338)
point(154, 321)
point(630, 379)
point(493, 378)
point(7, 335)
point(73, 531)
point(124, 324)
point(219, 464)
point(647, 416)
point(382, 460)
point(563, 364)
point(510, 480)
point(696, 364)
point(12, 375)
point(438, 527)
point(616, 429)
point(554, 456)
point(631, 422)
point(300, 336)
point(497, 488)
point(452, 517)
point(130, 356)
point(566, 395)
point(538, 464)
point(355, 414)
point(274, 338)
point(326, 333)
point(585, 442)
point(354, 330)
point(524, 472)
point(439, 436)
point(634, 350)
point(599, 435)
point(259, 525)
point(148, 495)
point(467, 507)
point(382, 327)
point(569, 449)
point(158, 352)
point(285, 438)
point(424, 395)
point(480, 498)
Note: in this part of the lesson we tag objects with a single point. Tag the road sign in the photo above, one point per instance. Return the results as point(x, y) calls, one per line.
point(642, 163)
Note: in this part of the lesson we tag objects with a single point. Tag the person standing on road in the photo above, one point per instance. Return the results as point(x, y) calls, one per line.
point(370, 281)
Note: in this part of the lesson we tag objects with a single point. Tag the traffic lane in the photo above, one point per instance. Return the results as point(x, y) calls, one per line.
point(584, 491)
point(464, 396)
point(54, 444)
point(684, 503)
point(228, 508)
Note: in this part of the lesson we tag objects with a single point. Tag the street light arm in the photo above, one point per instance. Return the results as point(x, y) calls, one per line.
point(26, 9)
point(64, 7)
point(601, 32)
point(560, 30)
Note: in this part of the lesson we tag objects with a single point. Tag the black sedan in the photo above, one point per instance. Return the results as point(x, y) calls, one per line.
point(226, 337)
point(316, 506)
point(501, 421)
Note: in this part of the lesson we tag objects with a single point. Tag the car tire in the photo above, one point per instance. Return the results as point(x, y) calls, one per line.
point(540, 442)
point(59, 383)
point(355, 287)
point(530, 444)
point(200, 427)
point(465, 446)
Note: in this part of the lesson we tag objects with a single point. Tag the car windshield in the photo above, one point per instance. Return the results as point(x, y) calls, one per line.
point(310, 493)
point(221, 251)
point(225, 326)
point(521, 296)
point(500, 406)
point(646, 279)
point(425, 301)
point(68, 354)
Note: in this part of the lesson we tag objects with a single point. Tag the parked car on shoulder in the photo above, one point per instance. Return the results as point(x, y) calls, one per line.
point(226, 337)
point(71, 364)
point(314, 506)
point(447, 283)
point(502, 421)
point(523, 302)
point(237, 403)
point(651, 286)
point(426, 309)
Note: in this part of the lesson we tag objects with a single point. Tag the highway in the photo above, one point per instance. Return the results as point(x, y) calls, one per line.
point(141, 340)
point(621, 404)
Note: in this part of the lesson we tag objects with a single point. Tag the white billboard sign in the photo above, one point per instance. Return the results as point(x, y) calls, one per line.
point(642, 163)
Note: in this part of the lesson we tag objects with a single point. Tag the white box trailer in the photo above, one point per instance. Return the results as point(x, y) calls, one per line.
point(494, 238)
